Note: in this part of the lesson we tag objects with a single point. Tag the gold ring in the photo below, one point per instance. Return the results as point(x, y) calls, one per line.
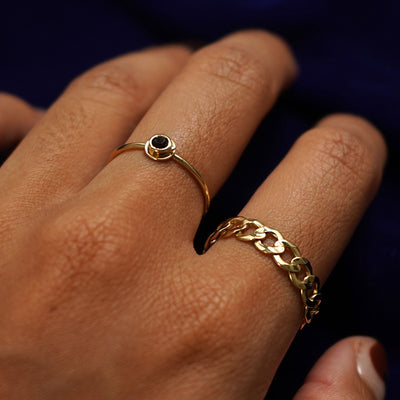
point(162, 148)
point(270, 242)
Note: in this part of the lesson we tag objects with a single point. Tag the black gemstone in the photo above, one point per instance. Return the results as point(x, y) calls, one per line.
point(160, 142)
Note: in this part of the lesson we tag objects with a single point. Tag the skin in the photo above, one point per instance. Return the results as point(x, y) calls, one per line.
point(103, 295)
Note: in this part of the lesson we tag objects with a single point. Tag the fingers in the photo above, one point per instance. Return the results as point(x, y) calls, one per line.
point(318, 193)
point(352, 369)
point(210, 110)
point(16, 119)
point(95, 114)
point(314, 198)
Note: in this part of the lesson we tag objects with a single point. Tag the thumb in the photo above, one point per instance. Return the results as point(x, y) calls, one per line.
point(352, 369)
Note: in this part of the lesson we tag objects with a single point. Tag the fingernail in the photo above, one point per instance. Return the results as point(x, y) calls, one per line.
point(372, 366)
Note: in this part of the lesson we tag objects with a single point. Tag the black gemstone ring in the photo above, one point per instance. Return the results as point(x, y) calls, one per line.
point(160, 148)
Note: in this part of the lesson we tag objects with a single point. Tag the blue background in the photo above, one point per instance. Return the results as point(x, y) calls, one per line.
point(348, 55)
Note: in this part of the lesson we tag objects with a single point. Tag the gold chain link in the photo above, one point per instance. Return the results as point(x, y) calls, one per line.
point(299, 268)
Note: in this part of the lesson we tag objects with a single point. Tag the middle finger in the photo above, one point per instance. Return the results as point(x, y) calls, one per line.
point(210, 110)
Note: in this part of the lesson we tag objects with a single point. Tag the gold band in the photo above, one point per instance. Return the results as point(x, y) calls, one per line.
point(299, 268)
point(162, 148)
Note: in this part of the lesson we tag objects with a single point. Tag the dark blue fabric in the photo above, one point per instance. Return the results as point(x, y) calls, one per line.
point(349, 62)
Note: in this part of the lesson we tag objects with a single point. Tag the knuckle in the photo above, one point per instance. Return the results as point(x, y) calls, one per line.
point(66, 122)
point(110, 82)
point(78, 242)
point(342, 152)
point(211, 315)
point(234, 65)
point(60, 131)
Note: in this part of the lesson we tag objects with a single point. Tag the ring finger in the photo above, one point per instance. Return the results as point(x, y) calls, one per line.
point(315, 198)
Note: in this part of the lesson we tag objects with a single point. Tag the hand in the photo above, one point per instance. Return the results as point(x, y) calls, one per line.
point(102, 294)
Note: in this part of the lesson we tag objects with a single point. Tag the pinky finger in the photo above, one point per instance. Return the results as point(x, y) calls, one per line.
point(17, 118)
point(352, 369)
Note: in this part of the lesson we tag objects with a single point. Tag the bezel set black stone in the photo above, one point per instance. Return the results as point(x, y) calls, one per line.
point(160, 147)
